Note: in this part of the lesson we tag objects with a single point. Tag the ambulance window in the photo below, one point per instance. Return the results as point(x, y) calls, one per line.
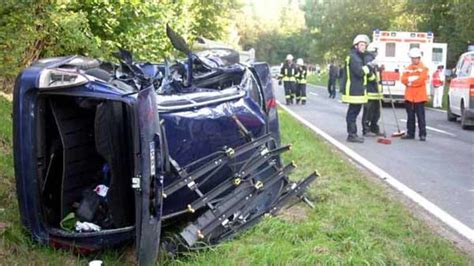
point(465, 67)
point(414, 45)
point(390, 49)
point(437, 55)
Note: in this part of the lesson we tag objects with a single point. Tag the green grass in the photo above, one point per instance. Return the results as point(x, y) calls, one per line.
point(321, 80)
point(354, 221)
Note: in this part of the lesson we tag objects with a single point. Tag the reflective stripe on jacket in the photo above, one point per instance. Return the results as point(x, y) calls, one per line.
point(414, 77)
point(288, 72)
point(356, 79)
point(374, 90)
point(301, 73)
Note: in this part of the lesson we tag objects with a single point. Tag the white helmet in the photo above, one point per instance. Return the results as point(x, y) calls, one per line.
point(372, 47)
point(300, 61)
point(414, 52)
point(361, 38)
point(289, 57)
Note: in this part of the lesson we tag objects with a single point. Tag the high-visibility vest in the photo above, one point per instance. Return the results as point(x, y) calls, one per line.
point(301, 75)
point(374, 79)
point(288, 72)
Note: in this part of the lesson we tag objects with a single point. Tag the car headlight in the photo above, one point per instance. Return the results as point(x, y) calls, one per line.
point(60, 78)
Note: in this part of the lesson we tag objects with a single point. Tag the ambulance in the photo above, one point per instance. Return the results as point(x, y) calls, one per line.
point(393, 47)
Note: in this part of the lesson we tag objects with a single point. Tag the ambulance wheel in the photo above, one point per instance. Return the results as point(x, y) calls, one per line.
point(451, 117)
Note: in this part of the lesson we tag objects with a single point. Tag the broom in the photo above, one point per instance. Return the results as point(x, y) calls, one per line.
point(399, 133)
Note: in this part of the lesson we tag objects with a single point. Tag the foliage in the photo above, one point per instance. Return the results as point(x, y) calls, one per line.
point(31, 29)
point(335, 23)
point(273, 38)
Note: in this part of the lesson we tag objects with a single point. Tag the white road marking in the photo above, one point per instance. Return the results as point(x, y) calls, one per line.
point(449, 220)
point(433, 129)
point(435, 109)
point(315, 94)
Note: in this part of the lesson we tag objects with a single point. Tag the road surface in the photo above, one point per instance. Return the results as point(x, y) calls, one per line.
point(440, 169)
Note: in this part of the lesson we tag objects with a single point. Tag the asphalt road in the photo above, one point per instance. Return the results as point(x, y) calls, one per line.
point(440, 169)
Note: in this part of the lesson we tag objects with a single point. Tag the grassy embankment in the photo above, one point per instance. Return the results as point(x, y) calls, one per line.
point(354, 221)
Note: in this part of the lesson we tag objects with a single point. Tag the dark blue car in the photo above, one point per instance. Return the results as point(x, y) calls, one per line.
point(106, 153)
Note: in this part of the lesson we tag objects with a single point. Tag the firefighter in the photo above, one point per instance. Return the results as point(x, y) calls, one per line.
point(371, 112)
point(287, 73)
point(301, 72)
point(354, 82)
point(414, 78)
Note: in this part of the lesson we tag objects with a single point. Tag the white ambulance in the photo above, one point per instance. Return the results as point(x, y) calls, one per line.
point(392, 53)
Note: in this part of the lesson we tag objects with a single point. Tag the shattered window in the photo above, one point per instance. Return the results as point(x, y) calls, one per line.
point(254, 90)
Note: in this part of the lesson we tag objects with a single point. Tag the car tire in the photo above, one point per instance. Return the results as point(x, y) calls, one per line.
point(464, 125)
point(451, 117)
point(463, 122)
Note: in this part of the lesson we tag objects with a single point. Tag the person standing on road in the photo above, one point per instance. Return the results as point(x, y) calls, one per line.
point(332, 80)
point(414, 78)
point(437, 83)
point(371, 112)
point(340, 77)
point(355, 93)
point(301, 73)
point(288, 71)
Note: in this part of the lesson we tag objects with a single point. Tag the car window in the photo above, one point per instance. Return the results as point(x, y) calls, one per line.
point(458, 65)
point(470, 60)
point(254, 91)
point(465, 68)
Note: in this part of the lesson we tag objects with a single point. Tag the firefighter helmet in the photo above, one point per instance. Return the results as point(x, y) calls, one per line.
point(414, 52)
point(372, 48)
point(289, 57)
point(361, 38)
point(300, 61)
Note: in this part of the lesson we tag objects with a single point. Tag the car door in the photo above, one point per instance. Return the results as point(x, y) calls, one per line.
point(148, 180)
point(461, 85)
point(455, 88)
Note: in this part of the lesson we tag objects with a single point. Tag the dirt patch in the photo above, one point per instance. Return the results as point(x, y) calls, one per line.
point(4, 146)
point(295, 214)
point(7, 96)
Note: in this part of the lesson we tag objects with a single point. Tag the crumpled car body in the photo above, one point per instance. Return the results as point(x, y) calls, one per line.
point(134, 148)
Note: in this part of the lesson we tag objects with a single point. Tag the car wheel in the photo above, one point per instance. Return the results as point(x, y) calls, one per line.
point(463, 118)
point(450, 115)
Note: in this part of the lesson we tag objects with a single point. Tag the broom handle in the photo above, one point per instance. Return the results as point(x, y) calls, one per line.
point(393, 108)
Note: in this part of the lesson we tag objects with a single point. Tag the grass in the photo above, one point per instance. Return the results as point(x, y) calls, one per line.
point(321, 80)
point(354, 221)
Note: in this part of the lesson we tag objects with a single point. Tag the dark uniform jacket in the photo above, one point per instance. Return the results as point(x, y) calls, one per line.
point(288, 72)
point(355, 78)
point(301, 73)
point(373, 87)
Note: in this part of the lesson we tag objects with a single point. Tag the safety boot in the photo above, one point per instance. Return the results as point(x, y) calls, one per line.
point(303, 102)
point(355, 139)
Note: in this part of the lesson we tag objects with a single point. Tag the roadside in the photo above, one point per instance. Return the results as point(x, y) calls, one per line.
point(355, 221)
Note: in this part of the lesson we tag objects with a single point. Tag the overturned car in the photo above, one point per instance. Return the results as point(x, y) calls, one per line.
point(106, 153)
